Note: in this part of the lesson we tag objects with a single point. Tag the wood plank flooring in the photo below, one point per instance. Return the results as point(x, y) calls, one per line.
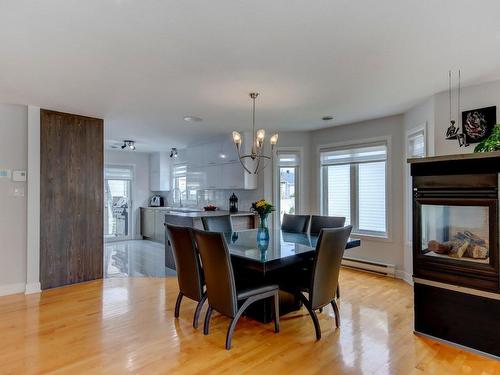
point(127, 325)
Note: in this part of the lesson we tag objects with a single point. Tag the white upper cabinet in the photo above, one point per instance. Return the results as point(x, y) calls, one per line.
point(215, 165)
point(159, 171)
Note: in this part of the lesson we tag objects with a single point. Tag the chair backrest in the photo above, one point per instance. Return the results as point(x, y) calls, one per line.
point(174, 220)
point(187, 261)
point(295, 223)
point(326, 268)
point(217, 223)
point(219, 277)
point(322, 222)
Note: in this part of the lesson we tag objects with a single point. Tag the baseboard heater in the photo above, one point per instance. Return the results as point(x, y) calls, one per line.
point(375, 267)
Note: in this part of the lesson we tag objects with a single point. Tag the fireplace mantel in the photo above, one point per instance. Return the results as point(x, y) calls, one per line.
point(470, 156)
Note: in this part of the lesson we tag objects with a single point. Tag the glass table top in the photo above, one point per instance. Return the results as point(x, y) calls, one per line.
point(280, 245)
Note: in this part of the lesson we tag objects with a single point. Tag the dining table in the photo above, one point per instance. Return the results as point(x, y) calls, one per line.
point(273, 260)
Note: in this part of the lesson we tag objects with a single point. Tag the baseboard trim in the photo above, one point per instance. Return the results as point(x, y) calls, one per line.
point(33, 288)
point(404, 276)
point(463, 347)
point(8, 289)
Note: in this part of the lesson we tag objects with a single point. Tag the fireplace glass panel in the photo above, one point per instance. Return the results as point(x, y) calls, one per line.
point(455, 232)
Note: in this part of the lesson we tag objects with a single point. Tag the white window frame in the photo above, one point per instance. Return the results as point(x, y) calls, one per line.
point(387, 140)
point(299, 188)
point(408, 201)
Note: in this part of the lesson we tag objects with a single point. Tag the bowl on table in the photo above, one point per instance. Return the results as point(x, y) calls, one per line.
point(210, 208)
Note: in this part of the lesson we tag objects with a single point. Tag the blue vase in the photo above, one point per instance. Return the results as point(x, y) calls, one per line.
point(263, 230)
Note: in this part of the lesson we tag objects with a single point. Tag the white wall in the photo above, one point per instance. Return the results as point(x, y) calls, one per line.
point(385, 251)
point(14, 156)
point(140, 188)
point(472, 97)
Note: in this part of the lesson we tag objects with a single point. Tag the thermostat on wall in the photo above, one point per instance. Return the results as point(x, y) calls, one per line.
point(4, 173)
point(19, 176)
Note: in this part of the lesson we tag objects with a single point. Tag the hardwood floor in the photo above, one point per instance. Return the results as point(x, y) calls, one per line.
point(127, 325)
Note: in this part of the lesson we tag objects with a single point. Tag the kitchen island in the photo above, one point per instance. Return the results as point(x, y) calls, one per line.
point(153, 219)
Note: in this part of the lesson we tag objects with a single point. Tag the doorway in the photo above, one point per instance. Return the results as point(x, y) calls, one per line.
point(117, 202)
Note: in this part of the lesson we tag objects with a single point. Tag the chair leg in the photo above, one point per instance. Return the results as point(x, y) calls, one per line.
point(313, 315)
point(207, 320)
point(338, 291)
point(337, 313)
point(232, 325)
point(198, 310)
point(242, 309)
point(178, 304)
point(276, 312)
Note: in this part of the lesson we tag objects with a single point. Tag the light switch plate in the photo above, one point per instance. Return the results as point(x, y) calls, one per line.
point(4, 173)
point(19, 176)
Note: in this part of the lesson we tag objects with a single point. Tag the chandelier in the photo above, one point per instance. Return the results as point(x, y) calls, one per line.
point(257, 151)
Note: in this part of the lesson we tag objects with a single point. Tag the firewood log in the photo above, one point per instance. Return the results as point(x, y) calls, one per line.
point(438, 247)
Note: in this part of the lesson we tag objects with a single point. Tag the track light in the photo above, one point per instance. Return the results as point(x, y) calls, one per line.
point(173, 152)
point(129, 144)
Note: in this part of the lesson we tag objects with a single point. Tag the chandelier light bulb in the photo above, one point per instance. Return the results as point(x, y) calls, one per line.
point(261, 134)
point(274, 139)
point(237, 138)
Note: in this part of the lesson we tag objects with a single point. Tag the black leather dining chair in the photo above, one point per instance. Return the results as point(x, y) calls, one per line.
point(217, 223)
point(321, 281)
point(295, 223)
point(179, 221)
point(223, 296)
point(189, 270)
point(321, 222)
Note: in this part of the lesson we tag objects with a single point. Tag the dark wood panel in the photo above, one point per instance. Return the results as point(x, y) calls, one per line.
point(71, 199)
point(461, 318)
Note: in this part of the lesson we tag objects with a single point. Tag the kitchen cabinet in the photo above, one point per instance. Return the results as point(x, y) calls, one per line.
point(159, 235)
point(147, 223)
point(152, 220)
point(214, 165)
point(213, 176)
point(159, 171)
point(232, 176)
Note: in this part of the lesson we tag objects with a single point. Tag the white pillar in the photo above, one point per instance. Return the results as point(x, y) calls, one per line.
point(33, 240)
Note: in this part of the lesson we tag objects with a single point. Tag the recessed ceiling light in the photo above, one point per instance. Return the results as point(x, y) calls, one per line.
point(327, 118)
point(192, 119)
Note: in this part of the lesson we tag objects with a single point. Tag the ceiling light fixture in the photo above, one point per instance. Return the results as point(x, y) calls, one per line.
point(173, 152)
point(129, 144)
point(256, 153)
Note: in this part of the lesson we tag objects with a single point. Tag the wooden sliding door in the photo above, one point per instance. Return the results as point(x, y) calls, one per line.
point(71, 199)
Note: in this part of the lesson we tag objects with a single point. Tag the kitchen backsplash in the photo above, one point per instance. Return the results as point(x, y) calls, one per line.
point(219, 198)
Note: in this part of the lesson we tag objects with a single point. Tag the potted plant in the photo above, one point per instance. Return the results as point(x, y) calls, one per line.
point(492, 143)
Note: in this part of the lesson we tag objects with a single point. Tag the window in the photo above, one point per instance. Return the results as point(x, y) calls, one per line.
point(416, 145)
point(288, 164)
point(354, 182)
point(286, 185)
point(415, 148)
point(180, 184)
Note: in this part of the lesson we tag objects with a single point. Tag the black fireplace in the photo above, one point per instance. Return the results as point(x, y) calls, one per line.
point(455, 229)
point(456, 249)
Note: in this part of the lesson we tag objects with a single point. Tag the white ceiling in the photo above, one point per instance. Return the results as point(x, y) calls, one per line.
point(143, 65)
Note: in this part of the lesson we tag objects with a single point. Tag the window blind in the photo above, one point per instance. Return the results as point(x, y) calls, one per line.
point(354, 155)
point(118, 173)
point(354, 186)
point(416, 145)
point(288, 160)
